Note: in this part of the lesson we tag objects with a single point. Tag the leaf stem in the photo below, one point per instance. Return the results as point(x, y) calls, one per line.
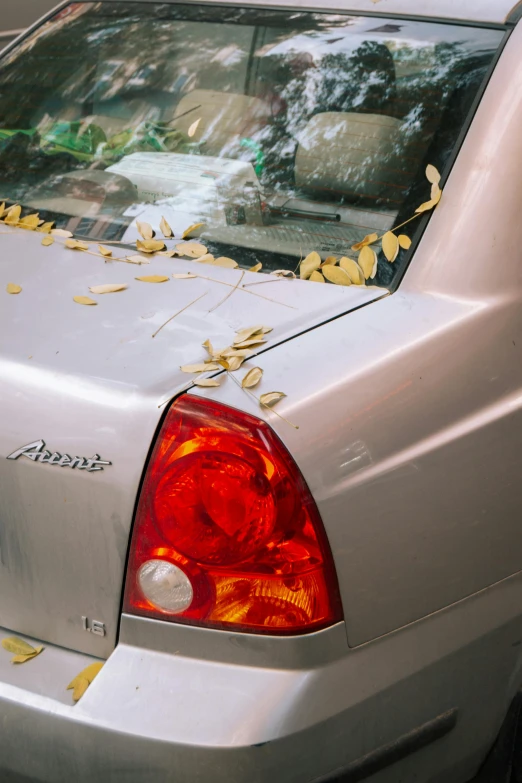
point(229, 293)
point(179, 313)
point(295, 426)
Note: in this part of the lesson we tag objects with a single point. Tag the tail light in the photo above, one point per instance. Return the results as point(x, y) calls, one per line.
point(227, 534)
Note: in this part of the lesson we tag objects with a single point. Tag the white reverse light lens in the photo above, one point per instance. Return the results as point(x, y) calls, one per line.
point(166, 586)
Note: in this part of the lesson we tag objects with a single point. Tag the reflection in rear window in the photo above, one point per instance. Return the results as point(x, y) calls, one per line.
point(283, 132)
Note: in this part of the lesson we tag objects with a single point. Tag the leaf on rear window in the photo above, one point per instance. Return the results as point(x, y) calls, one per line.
point(61, 232)
point(12, 288)
point(75, 244)
point(271, 398)
point(316, 277)
point(166, 229)
point(30, 222)
point(150, 245)
point(200, 367)
point(390, 246)
point(28, 656)
point(47, 241)
point(108, 288)
point(334, 274)
point(404, 241)
point(369, 239)
point(368, 261)
point(82, 680)
point(206, 382)
point(192, 230)
point(191, 249)
point(310, 264)
point(145, 230)
point(353, 270)
point(252, 378)
point(436, 193)
point(153, 279)
point(432, 175)
point(84, 300)
point(17, 646)
point(330, 261)
point(105, 251)
point(184, 276)
point(193, 128)
point(256, 268)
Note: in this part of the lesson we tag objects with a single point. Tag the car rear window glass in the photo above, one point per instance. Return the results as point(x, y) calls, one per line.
point(282, 132)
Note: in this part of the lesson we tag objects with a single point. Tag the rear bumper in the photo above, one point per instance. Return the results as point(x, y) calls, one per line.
point(202, 713)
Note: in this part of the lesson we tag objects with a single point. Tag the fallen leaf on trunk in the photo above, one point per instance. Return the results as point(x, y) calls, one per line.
point(191, 249)
point(206, 382)
point(252, 378)
point(136, 260)
point(84, 300)
point(166, 229)
point(75, 244)
point(17, 646)
point(153, 279)
point(150, 245)
point(145, 229)
point(108, 288)
point(28, 656)
point(47, 241)
point(247, 333)
point(12, 288)
point(105, 251)
point(271, 398)
point(61, 232)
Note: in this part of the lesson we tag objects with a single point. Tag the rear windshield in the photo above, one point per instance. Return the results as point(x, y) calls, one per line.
point(283, 133)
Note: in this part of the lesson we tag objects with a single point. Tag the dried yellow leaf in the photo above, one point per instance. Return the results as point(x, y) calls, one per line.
point(252, 378)
point(30, 222)
point(136, 260)
point(436, 192)
point(432, 203)
point(191, 230)
point(208, 258)
point(330, 260)
point(334, 274)
point(256, 268)
point(61, 232)
point(287, 273)
point(249, 343)
point(247, 333)
point(233, 363)
point(390, 246)
point(75, 244)
point(166, 229)
point(45, 228)
point(47, 241)
point(89, 673)
point(191, 249)
point(84, 300)
point(184, 276)
point(193, 128)
point(145, 230)
point(369, 239)
point(150, 245)
point(200, 367)
point(227, 263)
point(28, 656)
point(404, 241)
point(108, 288)
point(271, 398)
point(353, 270)
point(105, 251)
point(432, 175)
point(368, 262)
point(12, 288)
point(233, 350)
point(316, 277)
point(153, 279)
point(310, 264)
point(168, 253)
point(80, 687)
point(13, 215)
point(206, 382)
point(17, 646)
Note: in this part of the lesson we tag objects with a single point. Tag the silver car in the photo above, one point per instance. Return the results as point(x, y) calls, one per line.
point(261, 392)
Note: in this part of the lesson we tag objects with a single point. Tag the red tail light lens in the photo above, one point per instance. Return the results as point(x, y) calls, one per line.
point(227, 533)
